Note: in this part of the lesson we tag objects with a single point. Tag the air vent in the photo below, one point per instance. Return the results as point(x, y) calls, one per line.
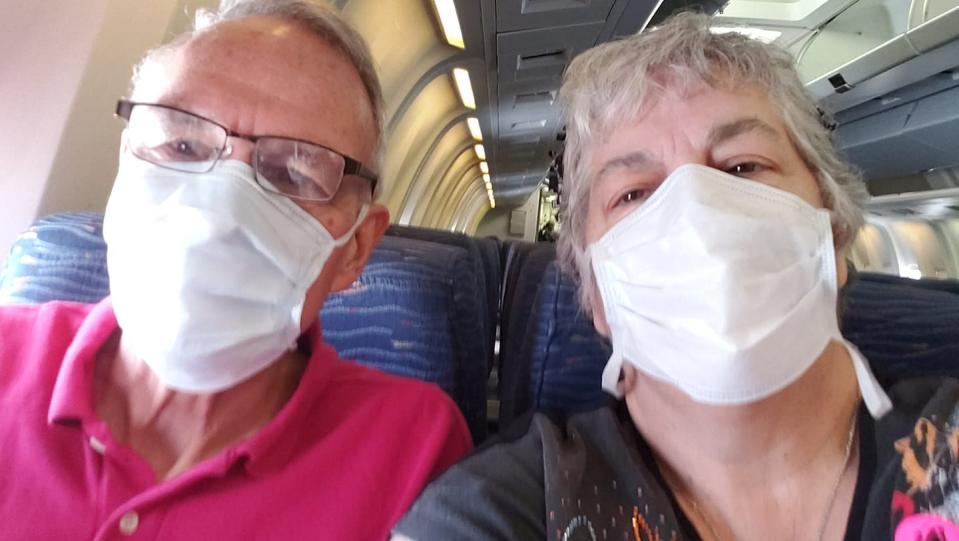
point(533, 99)
point(839, 83)
point(551, 59)
point(528, 125)
point(540, 6)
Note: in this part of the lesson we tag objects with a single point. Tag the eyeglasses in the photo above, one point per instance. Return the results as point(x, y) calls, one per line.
point(182, 141)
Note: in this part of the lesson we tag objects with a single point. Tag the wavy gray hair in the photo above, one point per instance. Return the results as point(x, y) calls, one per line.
point(610, 84)
point(319, 20)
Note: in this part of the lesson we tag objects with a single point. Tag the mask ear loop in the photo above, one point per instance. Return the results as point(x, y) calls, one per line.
point(360, 218)
point(337, 243)
point(613, 375)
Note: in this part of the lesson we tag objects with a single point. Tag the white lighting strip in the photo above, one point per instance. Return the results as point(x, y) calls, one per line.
point(474, 127)
point(480, 152)
point(450, 21)
point(484, 167)
point(464, 87)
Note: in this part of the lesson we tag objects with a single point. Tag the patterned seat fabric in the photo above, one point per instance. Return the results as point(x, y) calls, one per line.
point(487, 273)
point(61, 257)
point(414, 312)
point(518, 323)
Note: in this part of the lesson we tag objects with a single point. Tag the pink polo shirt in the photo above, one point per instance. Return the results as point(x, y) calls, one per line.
point(342, 460)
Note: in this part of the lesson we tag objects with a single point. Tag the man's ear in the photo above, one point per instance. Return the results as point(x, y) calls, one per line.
point(358, 250)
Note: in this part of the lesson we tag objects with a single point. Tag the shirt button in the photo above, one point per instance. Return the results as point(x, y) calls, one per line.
point(129, 523)
point(97, 445)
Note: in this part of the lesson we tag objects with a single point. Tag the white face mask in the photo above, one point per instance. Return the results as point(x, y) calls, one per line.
point(209, 273)
point(723, 287)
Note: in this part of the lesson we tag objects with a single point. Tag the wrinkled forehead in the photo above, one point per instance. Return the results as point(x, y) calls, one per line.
point(270, 75)
point(676, 84)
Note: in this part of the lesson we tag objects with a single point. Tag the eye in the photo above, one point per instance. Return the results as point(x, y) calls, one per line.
point(185, 149)
point(636, 195)
point(745, 168)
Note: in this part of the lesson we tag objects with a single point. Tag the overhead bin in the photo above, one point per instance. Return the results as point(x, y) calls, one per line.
point(871, 37)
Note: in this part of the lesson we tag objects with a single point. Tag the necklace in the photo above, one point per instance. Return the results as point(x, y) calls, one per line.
point(832, 495)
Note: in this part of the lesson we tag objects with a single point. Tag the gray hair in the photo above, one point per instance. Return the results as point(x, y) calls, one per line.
point(319, 20)
point(611, 83)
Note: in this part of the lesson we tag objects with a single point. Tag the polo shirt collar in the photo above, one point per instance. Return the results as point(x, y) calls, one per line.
point(72, 398)
point(269, 449)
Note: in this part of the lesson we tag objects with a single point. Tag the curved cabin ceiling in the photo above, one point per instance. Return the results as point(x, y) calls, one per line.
point(514, 54)
point(508, 57)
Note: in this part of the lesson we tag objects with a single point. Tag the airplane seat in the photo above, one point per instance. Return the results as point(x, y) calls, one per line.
point(414, 309)
point(490, 250)
point(564, 354)
point(519, 317)
point(906, 328)
point(487, 280)
point(60, 257)
point(414, 312)
point(512, 255)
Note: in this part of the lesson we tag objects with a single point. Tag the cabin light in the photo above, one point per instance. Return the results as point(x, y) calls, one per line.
point(484, 167)
point(492, 201)
point(446, 10)
point(486, 178)
point(464, 87)
point(911, 271)
point(475, 130)
point(759, 34)
point(480, 152)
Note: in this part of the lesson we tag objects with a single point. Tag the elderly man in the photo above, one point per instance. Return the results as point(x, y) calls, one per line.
point(200, 401)
point(708, 212)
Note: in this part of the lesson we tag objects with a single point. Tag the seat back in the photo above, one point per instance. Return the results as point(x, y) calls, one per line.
point(414, 312)
point(61, 257)
point(904, 327)
point(524, 278)
point(487, 280)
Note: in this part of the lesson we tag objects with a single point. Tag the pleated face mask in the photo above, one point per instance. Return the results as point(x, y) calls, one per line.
point(724, 287)
point(209, 273)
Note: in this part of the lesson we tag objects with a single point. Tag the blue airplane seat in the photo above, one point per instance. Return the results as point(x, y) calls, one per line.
point(517, 319)
point(61, 257)
point(904, 327)
point(412, 313)
point(487, 279)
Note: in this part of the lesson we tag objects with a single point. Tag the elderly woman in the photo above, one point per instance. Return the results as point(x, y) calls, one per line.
point(707, 217)
point(200, 401)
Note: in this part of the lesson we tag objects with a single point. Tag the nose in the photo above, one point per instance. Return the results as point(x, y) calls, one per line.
point(238, 149)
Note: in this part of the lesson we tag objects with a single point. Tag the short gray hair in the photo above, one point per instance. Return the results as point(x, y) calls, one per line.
point(318, 19)
point(612, 82)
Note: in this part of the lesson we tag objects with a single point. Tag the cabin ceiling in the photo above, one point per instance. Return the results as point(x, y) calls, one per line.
point(527, 46)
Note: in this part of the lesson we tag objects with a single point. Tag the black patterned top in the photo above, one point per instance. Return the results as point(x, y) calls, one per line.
point(590, 476)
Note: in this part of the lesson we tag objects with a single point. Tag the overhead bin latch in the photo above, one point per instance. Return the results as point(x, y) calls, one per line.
point(839, 83)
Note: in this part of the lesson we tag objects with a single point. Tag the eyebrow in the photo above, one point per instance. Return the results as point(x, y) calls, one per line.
point(730, 130)
point(717, 135)
point(632, 160)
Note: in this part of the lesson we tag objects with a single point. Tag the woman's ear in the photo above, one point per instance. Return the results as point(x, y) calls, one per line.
point(358, 250)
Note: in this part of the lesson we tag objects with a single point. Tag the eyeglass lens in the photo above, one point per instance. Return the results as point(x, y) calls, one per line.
point(184, 142)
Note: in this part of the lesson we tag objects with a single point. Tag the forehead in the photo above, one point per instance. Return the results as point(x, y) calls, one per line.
point(263, 75)
point(687, 114)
